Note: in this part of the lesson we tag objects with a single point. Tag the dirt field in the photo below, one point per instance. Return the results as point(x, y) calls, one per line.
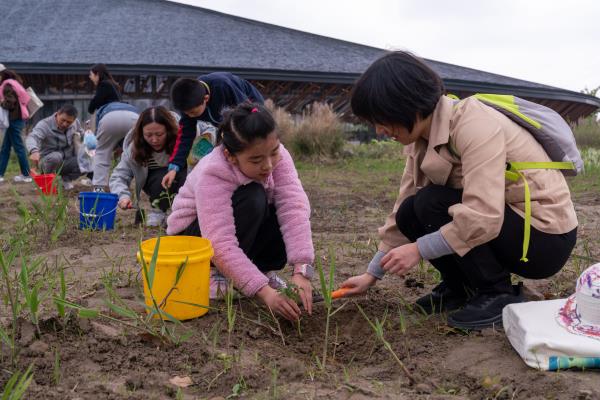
point(98, 359)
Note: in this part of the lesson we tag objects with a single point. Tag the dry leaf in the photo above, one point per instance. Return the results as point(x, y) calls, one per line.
point(181, 381)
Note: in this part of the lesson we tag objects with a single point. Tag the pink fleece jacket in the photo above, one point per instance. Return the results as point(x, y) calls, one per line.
point(22, 95)
point(206, 195)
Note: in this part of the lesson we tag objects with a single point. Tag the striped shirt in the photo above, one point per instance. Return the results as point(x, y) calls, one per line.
point(158, 160)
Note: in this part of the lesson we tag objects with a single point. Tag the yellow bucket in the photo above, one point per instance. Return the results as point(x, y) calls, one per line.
point(193, 284)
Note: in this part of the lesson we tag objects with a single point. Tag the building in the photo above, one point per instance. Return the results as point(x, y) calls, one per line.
point(147, 44)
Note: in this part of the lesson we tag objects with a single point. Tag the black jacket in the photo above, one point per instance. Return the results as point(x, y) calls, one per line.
point(226, 90)
point(106, 92)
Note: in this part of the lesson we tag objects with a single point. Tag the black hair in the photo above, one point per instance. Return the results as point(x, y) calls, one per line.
point(68, 109)
point(187, 93)
point(160, 115)
point(395, 90)
point(10, 74)
point(243, 124)
point(103, 75)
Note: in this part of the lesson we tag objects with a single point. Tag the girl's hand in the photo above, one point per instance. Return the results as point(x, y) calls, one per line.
point(401, 259)
point(358, 284)
point(279, 303)
point(168, 179)
point(304, 291)
point(125, 203)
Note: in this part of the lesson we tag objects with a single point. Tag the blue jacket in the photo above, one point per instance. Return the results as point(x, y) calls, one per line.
point(226, 90)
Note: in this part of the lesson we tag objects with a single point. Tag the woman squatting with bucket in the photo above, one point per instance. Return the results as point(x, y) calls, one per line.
point(113, 119)
point(145, 158)
point(246, 198)
point(454, 207)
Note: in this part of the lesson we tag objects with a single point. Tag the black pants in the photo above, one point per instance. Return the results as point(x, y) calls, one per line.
point(153, 186)
point(256, 228)
point(487, 267)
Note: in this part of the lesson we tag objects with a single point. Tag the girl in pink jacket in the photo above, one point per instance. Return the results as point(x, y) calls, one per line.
point(246, 198)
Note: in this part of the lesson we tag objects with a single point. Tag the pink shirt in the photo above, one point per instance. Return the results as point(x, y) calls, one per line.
point(206, 195)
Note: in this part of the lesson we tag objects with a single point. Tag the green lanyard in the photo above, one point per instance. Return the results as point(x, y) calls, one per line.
point(513, 173)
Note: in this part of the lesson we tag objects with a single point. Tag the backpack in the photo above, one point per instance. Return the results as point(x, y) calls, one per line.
point(550, 130)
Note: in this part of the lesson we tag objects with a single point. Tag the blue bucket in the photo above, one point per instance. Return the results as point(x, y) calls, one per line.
point(97, 210)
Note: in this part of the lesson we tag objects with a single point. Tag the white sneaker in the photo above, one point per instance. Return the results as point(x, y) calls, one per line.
point(155, 218)
point(86, 182)
point(68, 185)
point(1, 179)
point(21, 178)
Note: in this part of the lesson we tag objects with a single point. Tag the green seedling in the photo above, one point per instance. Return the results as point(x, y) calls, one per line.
point(62, 293)
point(17, 385)
point(12, 296)
point(231, 311)
point(56, 370)
point(237, 389)
point(327, 289)
point(377, 327)
point(48, 217)
point(274, 392)
point(31, 293)
point(291, 291)
point(162, 196)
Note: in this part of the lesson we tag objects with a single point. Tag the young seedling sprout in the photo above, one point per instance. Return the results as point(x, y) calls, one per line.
point(377, 327)
point(231, 311)
point(290, 290)
point(327, 290)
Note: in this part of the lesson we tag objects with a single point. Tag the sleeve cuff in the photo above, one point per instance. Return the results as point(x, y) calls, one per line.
point(374, 267)
point(173, 167)
point(433, 245)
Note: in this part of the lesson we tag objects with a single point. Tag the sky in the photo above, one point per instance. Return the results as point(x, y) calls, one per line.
point(556, 43)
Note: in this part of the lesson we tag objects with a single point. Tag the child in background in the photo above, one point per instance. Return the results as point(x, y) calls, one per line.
point(246, 198)
point(204, 99)
point(145, 158)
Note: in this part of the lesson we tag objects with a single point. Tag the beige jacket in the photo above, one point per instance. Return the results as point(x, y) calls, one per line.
point(483, 141)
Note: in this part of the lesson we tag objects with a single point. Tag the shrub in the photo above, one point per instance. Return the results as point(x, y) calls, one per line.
point(587, 132)
point(284, 120)
point(318, 133)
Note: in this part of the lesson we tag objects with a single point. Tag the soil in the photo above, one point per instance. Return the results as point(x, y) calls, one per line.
point(76, 358)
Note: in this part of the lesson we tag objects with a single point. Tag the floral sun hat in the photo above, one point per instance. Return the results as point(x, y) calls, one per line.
point(581, 313)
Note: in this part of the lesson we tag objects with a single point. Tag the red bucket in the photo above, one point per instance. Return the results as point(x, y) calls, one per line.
point(46, 182)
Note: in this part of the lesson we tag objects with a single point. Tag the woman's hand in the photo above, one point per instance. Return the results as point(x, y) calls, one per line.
point(35, 157)
point(168, 179)
point(401, 259)
point(304, 291)
point(358, 284)
point(125, 203)
point(279, 303)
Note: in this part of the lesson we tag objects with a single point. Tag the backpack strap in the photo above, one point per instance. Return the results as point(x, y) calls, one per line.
point(513, 173)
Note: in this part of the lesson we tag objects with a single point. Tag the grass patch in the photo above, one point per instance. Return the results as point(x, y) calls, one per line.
point(587, 132)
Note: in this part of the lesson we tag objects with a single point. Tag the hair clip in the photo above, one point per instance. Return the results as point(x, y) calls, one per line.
point(254, 110)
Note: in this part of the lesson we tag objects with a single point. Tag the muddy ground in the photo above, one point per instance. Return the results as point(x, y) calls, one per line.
point(262, 358)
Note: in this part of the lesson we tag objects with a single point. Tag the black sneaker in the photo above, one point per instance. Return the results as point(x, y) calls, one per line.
point(442, 298)
point(484, 310)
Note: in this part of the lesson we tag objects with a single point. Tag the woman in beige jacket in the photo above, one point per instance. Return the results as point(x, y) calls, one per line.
point(455, 208)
